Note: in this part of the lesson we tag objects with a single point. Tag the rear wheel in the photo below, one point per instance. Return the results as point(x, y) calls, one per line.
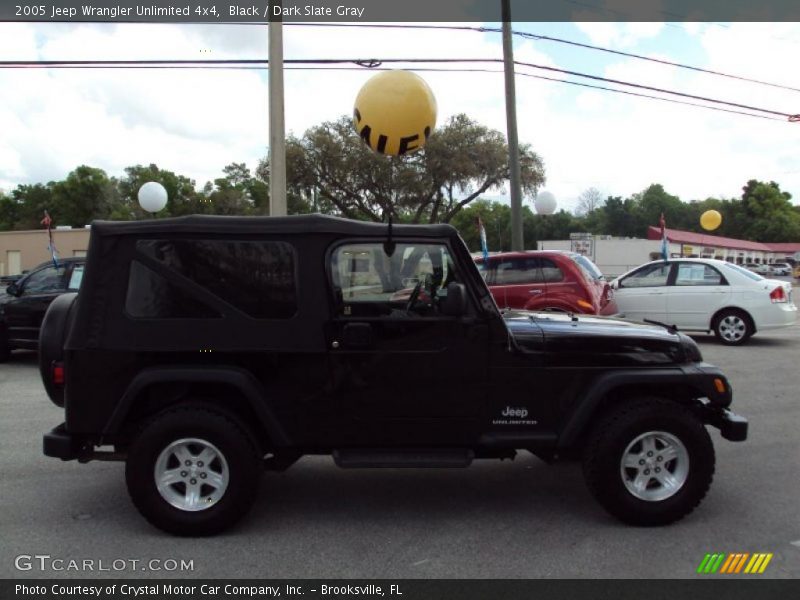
point(649, 462)
point(193, 471)
point(733, 327)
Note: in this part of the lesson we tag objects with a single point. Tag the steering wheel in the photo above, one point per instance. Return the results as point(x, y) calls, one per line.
point(414, 295)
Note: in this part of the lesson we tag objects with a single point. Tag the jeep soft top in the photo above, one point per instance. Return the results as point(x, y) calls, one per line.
point(203, 349)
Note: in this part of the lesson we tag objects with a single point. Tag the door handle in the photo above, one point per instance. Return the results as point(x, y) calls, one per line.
point(534, 291)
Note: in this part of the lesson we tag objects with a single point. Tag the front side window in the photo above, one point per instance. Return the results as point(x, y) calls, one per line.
point(650, 276)
point(49, 279)
point(413, 281)
point(514, 271)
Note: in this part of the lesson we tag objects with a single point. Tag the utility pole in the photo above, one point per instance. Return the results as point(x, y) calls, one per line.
point(277, 135)
point(517, 241)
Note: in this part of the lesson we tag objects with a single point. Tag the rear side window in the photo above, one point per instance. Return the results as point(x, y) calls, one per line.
point(513, 271)
point(75, 278)
point(697, 274)
point(256, 277)
point(588, 267)
point(745, 272)
point(550, 271)
point(151, 296)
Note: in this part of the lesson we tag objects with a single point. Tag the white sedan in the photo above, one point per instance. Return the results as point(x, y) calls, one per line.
point(698, 294)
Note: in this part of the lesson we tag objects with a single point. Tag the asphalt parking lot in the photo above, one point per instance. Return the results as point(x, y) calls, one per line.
point(516, 519)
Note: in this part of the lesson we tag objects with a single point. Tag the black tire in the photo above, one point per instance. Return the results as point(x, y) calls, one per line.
point(5, 349)
point(52, 336)
point(217, 429)
point(615, 433)
point(733, 327)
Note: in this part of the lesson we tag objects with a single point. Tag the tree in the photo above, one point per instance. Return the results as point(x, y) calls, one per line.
point(333, 169)
point(182, 199)
point(590, 200)
point(300, 199)
point(31, 201)
point(769, 212)
point(86, 194)
point(496, 219)
point(9, 212)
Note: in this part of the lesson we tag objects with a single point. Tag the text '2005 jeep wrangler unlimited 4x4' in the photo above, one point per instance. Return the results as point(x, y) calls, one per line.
point(203, 349)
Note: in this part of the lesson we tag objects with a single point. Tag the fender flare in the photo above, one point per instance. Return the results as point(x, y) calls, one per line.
point(597, 389)
point(242, 380)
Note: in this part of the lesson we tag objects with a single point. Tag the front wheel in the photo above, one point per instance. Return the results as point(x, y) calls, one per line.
point(649, 462)
point(733, 327)
point(193, 471)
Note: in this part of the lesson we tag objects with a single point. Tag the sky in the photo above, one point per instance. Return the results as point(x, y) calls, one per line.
point(196, 121)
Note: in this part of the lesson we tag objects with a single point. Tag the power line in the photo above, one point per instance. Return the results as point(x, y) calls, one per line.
point(536, 36)
point(566, 81)
point(371, 63)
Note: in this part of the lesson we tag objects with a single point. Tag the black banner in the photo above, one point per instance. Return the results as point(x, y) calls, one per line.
point(372, 589)
point(226, 11)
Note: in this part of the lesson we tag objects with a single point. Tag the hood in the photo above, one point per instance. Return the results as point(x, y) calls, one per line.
point(586, 340)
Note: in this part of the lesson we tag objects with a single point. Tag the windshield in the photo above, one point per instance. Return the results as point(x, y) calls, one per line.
point(588, 267)
point(745, 272)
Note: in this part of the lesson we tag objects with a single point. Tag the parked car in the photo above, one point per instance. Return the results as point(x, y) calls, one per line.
point(760, 268)
point(780, 269)
point(202, 350)
point(26, 300)
point(697, 294)
point(548, 280)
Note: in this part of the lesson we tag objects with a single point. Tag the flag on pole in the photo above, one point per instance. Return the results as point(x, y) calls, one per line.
point(664, 244)
point(51, 246)
point(484, 246)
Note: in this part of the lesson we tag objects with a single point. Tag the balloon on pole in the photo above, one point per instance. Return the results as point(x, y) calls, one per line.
point(710, 220)
point(395, 112)
point(545, 203)
point(152, 197)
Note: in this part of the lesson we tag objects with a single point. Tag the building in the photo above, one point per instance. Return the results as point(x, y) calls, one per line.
point(22, 250)
point(615, 256)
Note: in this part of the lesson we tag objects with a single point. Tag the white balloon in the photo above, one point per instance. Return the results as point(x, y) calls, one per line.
point(152, 196)
point(545, 203)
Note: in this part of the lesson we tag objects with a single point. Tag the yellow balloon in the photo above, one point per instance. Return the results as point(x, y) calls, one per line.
point(710, 220)
point(395, 112)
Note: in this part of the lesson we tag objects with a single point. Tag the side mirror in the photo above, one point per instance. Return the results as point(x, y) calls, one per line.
point(12, 289)
point(614, 284)
point(455, 305)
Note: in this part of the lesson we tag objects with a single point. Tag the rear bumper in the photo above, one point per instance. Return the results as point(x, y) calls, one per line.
point(733, 427)
point(60, 444)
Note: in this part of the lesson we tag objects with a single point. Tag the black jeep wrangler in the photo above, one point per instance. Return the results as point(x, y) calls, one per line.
point(205, 349)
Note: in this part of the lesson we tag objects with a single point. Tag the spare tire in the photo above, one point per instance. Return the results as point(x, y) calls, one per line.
point(52, 336)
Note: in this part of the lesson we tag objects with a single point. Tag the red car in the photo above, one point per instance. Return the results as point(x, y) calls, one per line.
point(548, 280)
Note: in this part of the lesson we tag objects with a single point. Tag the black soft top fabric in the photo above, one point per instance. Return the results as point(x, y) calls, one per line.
point(296, 224)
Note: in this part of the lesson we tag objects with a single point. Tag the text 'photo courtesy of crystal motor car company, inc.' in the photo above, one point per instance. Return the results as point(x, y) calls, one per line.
point(202, 350)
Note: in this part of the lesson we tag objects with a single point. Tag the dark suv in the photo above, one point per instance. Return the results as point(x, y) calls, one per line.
point(204, 349)
point(26, 300)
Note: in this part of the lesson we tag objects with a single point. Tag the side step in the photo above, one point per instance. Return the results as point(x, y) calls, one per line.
point(370, 458)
